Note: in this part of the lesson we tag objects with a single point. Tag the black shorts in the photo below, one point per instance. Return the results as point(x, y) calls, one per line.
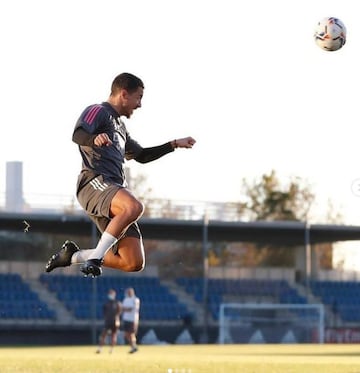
point(95, 198)
point(130, 327)
point(111, 327)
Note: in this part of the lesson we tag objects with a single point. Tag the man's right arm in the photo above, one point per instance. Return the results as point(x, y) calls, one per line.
point(81, 137)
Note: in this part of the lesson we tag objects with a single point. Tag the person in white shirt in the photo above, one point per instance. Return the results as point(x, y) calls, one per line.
point(130, 317)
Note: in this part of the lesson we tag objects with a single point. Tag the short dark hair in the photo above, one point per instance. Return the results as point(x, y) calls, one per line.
point(126, 81)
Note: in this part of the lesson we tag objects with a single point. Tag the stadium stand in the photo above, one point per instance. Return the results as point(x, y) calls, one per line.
point(343, 297)
point(18, 301)
point(220, 290)
point(157, 303)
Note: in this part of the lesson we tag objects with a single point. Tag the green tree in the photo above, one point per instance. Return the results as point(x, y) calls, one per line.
point(268, 199)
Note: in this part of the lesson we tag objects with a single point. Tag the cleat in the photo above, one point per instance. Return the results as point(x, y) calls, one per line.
point(133, 350)
point(63, 257)
point(91, 267)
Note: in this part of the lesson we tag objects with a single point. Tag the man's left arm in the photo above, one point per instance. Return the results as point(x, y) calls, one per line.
point(145, 155)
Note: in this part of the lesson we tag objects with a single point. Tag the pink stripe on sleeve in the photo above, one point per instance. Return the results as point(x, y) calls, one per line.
point(91, 114)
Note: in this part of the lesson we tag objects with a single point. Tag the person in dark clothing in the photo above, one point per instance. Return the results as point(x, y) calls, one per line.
point(104, 144)
point(111, 313)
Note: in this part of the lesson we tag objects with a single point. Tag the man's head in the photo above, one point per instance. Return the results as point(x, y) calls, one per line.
point(111, 294)
point(126, 93)
point(130, 292)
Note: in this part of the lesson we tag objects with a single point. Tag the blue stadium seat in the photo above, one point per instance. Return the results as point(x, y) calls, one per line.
point(219, 289)
point(18, 301)
point(157, 303)
point(342, 296)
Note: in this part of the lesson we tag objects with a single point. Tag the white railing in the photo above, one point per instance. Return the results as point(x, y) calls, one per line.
point(155, 208)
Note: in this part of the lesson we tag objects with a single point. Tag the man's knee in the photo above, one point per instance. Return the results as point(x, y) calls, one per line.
point(135, 263)
point(138, 208)
point(135, 266)
point(130, 207)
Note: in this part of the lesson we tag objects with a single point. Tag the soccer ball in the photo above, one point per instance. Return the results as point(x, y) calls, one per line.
point(330, 34)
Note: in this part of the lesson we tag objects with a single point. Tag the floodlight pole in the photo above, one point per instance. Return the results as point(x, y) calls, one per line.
point(205, 338)
point(94, 291)
point(307, 257)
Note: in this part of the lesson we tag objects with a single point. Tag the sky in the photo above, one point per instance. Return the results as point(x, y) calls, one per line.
point(244, 78)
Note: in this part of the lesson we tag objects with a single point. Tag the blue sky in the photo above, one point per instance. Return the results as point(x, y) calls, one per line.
point(244, 78)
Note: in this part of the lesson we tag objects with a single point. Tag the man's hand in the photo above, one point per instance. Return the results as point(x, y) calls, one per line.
point(102, 139)
point(186, 142)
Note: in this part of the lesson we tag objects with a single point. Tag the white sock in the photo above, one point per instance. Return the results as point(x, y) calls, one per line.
point(105, 243)
point(81, 256)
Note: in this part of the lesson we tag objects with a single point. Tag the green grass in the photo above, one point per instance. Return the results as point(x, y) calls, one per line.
point(184, 359)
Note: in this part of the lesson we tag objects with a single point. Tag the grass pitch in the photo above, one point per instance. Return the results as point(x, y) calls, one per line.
point(184, 359)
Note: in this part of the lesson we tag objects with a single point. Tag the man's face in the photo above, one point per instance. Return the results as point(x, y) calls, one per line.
point(111, 295)
point(130, 292)
point(132, 101)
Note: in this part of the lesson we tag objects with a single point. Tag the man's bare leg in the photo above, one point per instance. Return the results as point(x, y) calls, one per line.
point(125, 209)
point(130, 249)
point(130, 255)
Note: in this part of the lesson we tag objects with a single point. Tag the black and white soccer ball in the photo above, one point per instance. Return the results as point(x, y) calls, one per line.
point(330, 34)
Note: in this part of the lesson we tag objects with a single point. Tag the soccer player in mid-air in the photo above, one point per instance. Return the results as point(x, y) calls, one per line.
point(104, 144)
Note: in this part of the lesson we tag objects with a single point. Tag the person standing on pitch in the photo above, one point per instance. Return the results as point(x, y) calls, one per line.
point(130, 317)
point(111, 313)
point(104, 144)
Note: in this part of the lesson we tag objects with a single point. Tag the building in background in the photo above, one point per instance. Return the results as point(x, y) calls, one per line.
point(14, 200)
